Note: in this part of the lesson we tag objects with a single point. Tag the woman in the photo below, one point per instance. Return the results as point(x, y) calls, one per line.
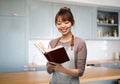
point(68, 72)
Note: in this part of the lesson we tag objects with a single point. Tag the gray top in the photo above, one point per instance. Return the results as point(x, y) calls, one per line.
point(80, 52)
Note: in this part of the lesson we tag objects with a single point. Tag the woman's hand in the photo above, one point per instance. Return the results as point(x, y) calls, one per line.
point(56, 67)
point(50, 67)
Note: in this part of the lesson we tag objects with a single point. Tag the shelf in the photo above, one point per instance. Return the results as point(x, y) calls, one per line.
point(109, 38)
point(107, 25)
point(103, 24)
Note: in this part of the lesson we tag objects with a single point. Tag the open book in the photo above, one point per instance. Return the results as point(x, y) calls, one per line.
point(57, 54)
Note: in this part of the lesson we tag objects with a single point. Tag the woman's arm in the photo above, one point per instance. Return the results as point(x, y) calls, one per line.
point(81, 58)
point(60, 68)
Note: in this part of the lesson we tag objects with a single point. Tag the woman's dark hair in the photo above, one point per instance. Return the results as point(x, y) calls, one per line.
point(66, 15)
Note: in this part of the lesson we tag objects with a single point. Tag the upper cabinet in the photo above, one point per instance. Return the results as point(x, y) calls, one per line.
point(12, 35)
point(90, 22)
point(12, 44)
point(85, 22)
point(107, 24)
point(12, 7)
point(40, 20)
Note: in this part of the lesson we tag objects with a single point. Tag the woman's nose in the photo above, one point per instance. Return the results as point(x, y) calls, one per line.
point(63, 25)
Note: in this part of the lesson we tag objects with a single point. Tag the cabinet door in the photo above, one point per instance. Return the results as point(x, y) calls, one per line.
point(56, 8)
point(12, 44)
point(85, 22)
point(12, 7)
point(40, 20)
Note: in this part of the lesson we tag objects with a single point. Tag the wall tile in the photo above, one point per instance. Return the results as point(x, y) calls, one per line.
point(100, 50)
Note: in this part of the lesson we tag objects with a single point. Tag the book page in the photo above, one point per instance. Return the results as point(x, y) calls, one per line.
point(57, 47)
point(40, 46)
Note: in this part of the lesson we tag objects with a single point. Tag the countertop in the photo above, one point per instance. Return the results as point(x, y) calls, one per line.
point(91, 74)
point(100, 74)
point(103, 61)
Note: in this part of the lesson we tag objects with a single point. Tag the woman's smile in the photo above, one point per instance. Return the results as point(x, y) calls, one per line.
point(63, 30)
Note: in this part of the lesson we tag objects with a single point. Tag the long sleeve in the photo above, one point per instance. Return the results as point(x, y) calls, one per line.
point(80, 57)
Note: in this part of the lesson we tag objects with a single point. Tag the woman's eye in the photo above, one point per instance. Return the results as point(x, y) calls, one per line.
point(66, 22)
point(58, 23)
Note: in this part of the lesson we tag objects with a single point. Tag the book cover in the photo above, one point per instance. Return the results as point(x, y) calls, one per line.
point(57, 54)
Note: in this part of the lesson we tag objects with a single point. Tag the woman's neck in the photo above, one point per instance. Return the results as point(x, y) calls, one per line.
point(66, 38)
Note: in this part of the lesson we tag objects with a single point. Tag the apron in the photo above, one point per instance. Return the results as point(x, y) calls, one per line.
point(61, 78)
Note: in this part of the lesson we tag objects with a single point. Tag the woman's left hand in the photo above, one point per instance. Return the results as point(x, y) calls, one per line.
point(57, 67)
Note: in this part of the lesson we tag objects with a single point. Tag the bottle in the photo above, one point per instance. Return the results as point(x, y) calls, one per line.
point(115, 33)
point(100, 34)
point(112, 19)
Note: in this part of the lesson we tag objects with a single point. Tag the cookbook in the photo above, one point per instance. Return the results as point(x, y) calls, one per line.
point(57, 54)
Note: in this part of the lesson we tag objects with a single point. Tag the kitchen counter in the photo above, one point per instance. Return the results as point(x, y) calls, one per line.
point(42, 77)
point(100, 74)
point(102, 62)
point(35, 77)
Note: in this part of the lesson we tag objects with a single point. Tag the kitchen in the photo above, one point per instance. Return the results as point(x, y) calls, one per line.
point(20, 25)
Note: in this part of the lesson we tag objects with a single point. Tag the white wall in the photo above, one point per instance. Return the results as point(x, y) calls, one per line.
point(97, 50)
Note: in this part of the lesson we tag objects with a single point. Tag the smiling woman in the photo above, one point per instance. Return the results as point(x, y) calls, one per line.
point(70, 71)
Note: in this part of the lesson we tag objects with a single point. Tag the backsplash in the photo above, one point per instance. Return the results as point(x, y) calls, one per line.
point(97, 50)
point(101, 50)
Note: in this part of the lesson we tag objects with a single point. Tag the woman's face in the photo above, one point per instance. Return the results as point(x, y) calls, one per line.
point(64, 27)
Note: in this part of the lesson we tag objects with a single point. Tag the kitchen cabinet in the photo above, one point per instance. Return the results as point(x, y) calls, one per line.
point(12, 44)
point(90, 22)
point(40, 20)
point(85, 22)
point(12, 35)
point(12, 7)
point(107, 24)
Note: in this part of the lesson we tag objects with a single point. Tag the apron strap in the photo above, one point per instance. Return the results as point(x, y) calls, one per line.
point(71, 44)
point(57, 42)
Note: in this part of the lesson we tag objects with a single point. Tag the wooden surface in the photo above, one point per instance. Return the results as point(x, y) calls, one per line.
point(100, 74)
point(103, 61)
point(42, 77)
